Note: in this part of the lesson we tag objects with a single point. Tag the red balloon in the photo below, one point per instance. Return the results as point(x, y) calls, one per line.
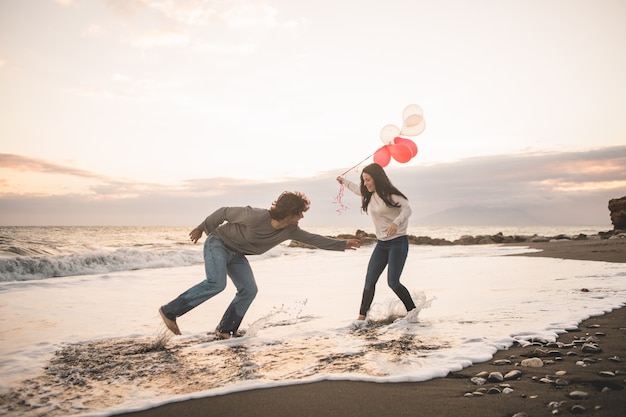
point(406, 142)
point(382, 156)
point(400, 153)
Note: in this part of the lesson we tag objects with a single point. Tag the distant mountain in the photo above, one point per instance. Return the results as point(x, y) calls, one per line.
point(481, 216)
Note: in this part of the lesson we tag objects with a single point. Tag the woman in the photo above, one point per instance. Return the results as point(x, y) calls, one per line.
point(390, 211)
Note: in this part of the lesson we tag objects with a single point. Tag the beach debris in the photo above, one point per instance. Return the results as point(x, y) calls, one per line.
point(606, 373)
point(532, 363)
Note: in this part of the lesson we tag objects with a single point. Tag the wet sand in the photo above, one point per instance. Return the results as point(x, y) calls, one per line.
point(589, 362)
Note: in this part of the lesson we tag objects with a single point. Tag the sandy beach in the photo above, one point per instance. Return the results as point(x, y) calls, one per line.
point(582, 373)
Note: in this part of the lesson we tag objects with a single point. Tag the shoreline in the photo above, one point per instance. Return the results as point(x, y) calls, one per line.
point(598, 371)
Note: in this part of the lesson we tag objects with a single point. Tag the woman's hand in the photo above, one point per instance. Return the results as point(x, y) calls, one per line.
point(392, 229)
point(353, 244)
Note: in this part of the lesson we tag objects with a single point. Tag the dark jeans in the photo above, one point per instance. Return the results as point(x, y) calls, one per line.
point(219, 261)
point(391, 254)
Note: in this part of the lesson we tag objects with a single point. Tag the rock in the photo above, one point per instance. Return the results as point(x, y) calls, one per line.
point(532, 363)
point(495, 377)
point(514, 374)
point(578, 395)
point(617, 209)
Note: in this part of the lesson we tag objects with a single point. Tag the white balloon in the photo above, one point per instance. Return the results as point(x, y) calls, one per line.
point(388, 133)
point(410, 128)
point(412, 109)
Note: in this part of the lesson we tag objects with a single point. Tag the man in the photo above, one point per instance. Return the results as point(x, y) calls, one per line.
point(232, 233)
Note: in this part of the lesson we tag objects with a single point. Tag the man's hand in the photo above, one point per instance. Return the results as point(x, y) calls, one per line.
point(353, 244)
point(195, 234)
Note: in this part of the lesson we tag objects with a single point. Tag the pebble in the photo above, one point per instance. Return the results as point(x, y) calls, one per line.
point(532, 363)
point(606, 373)
point(502, 362)
point(591, 348)
point(514, 374)
point(522, 414)
point(478, 380)
point(578, 395)
point(495, 377)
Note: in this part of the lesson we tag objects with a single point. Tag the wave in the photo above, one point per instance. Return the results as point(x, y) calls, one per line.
point(25, 268)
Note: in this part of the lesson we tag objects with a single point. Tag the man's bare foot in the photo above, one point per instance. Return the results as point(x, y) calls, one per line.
point(170, 324)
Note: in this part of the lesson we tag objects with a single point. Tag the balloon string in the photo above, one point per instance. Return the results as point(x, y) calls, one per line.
point(343, 207)
point(357, 164)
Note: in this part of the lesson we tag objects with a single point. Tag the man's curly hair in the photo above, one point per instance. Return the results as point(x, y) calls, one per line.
point(289, 203)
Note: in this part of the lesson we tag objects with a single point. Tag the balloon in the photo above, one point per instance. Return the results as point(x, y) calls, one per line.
point(382, 156)
point(412, 109)
point(408, 143)
point(413, 125)
point(388, 132)
point(400, 153)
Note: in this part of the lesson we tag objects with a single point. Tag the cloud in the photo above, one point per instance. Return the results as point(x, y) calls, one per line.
point(26, 164)
point(523, 189)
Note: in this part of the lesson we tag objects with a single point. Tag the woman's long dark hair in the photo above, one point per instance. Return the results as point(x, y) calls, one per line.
point(384, 188)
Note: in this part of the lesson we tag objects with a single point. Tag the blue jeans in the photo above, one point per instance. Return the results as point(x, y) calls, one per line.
point(391, 254)
point(219, 261)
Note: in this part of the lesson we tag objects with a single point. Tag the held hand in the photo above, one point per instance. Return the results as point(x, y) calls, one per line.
point(353, 244)
point(195, 234)
point(392, 229)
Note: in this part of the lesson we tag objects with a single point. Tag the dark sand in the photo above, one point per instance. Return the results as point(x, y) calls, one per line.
point(442, 397)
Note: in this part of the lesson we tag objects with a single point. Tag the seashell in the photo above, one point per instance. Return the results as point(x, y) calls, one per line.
point(522, 414)
point(468, 394)
point(482, 374)
point(502, 362)
point(578, 395)
point(606, 373)
point(507, 390)
point(561, 382)
point(577, 409)
point(494, 390)
point(546, 380)
point(560, 373)
point(532, 363)
point(615, 359)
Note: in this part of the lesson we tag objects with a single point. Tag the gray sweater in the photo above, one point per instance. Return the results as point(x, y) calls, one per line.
point(249, 231)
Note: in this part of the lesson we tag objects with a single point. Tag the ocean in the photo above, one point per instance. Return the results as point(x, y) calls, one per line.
point(80, 333)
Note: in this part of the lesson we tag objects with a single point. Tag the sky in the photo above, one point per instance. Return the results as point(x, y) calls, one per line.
point(146, 112)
